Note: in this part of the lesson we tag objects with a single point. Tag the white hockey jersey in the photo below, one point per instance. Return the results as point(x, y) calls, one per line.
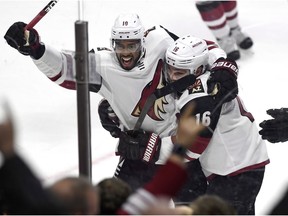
point(126, 91)
point(234, 144)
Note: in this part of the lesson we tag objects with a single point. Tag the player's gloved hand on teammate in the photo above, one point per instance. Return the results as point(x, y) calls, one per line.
point(276, 129)
point(222, 83)
point(108, 118)
point(26, 42)
point(139, 145)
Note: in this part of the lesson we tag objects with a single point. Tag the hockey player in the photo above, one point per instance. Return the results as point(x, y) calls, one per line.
point(125, 76)
point(197, 181)
point(221, 17)
point(231, 152)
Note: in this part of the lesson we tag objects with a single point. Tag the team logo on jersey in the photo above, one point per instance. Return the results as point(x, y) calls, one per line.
point(197, 87)
point(158, 106)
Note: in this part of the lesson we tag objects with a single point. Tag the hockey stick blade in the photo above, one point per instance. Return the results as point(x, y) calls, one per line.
point(41, 14)
point(177, 86)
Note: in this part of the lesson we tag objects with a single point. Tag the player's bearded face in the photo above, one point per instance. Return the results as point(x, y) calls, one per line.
point(128, 52)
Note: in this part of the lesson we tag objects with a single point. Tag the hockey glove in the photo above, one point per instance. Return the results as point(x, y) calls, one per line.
point(276, 129)
point(26, 42)
point(222, 83)
point(139, 145)
point(108, 118)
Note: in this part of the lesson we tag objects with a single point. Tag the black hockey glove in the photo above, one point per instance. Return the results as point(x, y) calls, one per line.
point(26, 42)
point(222, 82)
point(139, 145)
point(108, 118)
point(276, 129)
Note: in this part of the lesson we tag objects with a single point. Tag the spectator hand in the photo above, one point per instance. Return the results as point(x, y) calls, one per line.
point(26, 42)
point(139, 145)
point(108, 118)
point(6, 131)
point(222, 82)
point(188, 128)
point(276, 129)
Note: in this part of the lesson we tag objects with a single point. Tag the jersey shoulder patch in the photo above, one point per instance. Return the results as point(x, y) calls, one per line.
point(197, 87)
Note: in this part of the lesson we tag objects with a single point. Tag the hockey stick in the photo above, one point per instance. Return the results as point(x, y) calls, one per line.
point(177, 86)
point(40, 15)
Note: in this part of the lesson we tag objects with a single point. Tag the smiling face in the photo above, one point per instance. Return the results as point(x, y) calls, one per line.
point(128, 52)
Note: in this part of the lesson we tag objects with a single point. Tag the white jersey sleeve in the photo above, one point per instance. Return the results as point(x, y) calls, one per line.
point(59, 67)
point(50, 63)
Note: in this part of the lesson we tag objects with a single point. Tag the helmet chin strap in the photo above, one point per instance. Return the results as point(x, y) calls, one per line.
point(143, 52)
point(200, 70)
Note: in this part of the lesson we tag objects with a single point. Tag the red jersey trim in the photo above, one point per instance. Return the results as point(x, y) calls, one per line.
point(200, 144)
